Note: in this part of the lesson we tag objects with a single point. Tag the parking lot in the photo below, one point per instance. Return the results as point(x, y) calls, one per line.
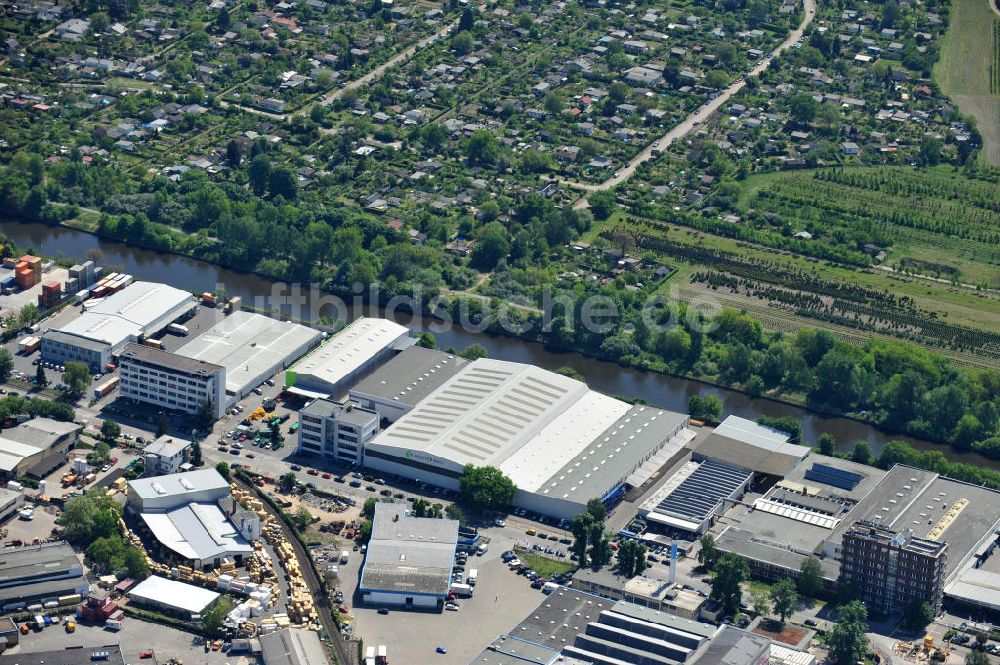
point(134, 637)
point(501, 600)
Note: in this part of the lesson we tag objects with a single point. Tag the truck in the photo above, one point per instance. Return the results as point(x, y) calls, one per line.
point(113, 624)
point(29, 345)
point(482, 549)
point(106, 387)
point(39, 622)
point(344, 556)
point(471, 578)
point(177, 329)
point(461, 590)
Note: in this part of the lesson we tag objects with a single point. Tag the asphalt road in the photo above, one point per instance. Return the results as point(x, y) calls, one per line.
point(697, 117)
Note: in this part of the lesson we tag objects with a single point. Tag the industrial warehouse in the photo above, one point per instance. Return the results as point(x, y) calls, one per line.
point(251, 348)
point(560, 442)
point(347, 357)
point(409, 559)
point(102, 331)
point(193, 515)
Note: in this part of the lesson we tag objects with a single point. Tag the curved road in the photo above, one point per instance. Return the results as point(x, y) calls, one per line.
point(696, 117)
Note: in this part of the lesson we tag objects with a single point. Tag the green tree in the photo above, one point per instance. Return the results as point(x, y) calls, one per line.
point(135, 563)
point(631, 558)
point(491, 246)
point(6, 364)
point(162, 424)
point(977, 658)
point(196, 459)
point(259, 174)
point(705, 407)
point(205, 416)
point(110, 430)
point(462, 43)
point(223, 470)
point(283, 181)
point(580, 527)
point(761, 603)
point(427, 340)
point(803, 108)
point(708, 553)
point(87, 517)
point(730, 572)
point(862, 453)
point(101, 454)
point(77, 377)
point(287, 482)
point(213, 620)
point(600, 545)
point(784, 598)
point(40, 379)
point(810, 578)
point(486, 488)
point(918, 615)
point(474, 352)
point(301, 519)
point(847, 642)
point(483, 148)
point(827, 444)
point(602, 204)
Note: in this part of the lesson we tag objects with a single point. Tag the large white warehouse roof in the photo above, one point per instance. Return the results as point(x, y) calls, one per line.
point(250, 345)
point(348, 350)
point(130, 312)
point(548, 433)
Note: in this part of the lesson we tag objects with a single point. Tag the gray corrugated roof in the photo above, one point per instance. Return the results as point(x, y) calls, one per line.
point(409, 554)
point(68, 656)
point(774, 462)
point(37, 560)
point(614, 454)
point(293, 646)
point(411, 376)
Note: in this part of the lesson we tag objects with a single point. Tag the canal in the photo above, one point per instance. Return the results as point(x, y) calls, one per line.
point(658, 389)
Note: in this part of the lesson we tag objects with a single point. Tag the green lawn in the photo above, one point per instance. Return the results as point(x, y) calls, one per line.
point(545, 566)
point(966, 69)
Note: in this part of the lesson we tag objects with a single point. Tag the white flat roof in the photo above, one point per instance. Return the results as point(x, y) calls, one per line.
point(127, 313)
point(562, 439)
point(485, 413)
point(249, 345)
point(750, 432)
point(178, 483)
point(13, 453)
point(199, 531)
point(349, 349)
point(171, 593)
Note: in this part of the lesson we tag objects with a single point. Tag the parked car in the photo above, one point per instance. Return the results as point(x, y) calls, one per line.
point(383, 610)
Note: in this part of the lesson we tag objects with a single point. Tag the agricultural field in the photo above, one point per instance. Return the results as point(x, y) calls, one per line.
point(968, 70)
point(903, 288)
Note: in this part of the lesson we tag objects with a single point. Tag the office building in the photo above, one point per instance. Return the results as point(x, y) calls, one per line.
point(168, 454)
point(336, 431)
point(99, 334)
point(561, 443)
point(252, 348)
point(394, 389)
point(889, 569)
point(409, 559)
point(170, 381)
point(39, 573)
point(36, 447)
point(347, 357)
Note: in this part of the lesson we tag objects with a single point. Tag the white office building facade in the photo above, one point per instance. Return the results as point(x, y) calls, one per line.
point(170, 381)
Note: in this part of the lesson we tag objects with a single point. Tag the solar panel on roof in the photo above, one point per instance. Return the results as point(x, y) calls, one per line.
point(698, 495)
point(828, 475)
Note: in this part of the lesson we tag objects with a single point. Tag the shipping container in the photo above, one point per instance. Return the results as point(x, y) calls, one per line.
point(208, 298)
point(154, 343)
